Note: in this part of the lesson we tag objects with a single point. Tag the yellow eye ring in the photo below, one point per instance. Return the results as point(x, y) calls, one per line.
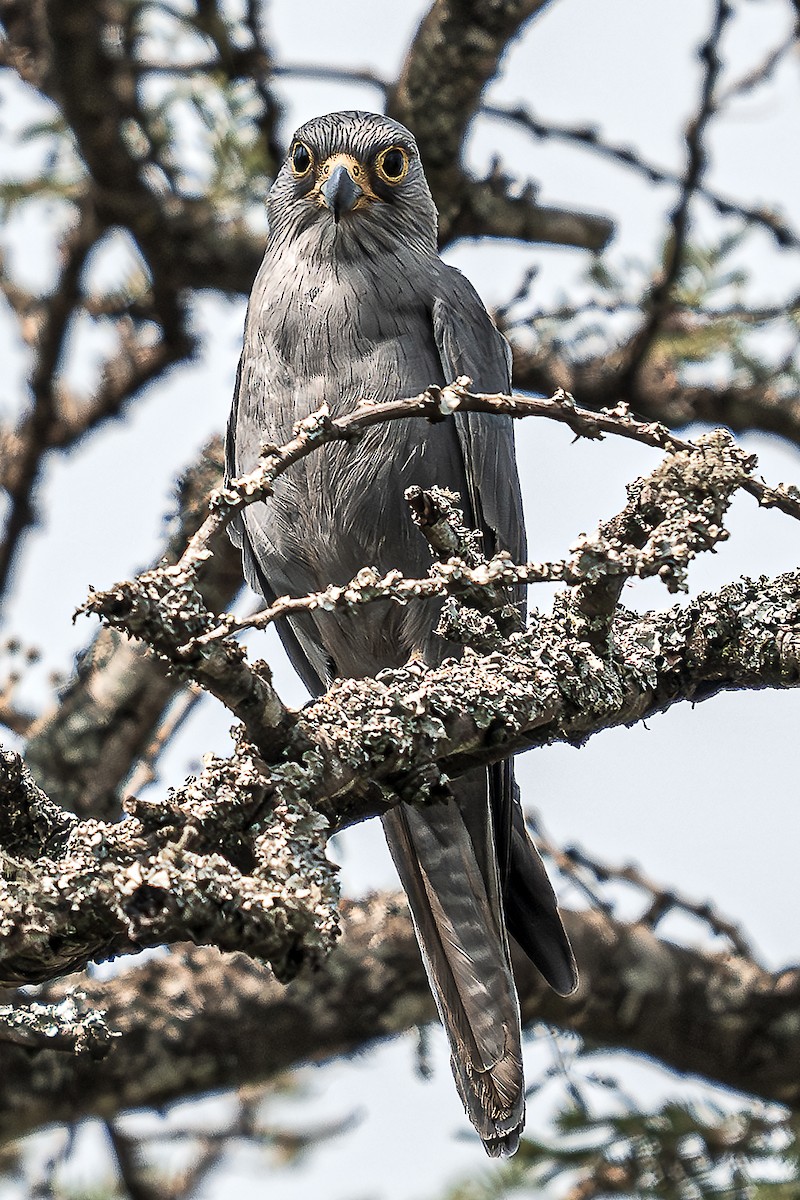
point(300, 159)
point(392, 164)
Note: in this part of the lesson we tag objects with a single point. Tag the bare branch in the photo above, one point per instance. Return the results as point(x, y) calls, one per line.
point(436, 403)
point(658, 302)
point(662, 900)
point(659, 394)
point(455, 52)
point(497, 207)
point(761, 74)
point(524, 118)
point(22, 471)
point(328, 74)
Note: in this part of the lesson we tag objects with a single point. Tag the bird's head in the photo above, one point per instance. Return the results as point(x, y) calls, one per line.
point(354, 181)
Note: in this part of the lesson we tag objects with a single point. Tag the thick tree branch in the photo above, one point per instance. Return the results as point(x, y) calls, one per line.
point(455, 53)
point(495, 207)
point(224, 860)
point(206, 863)
point(196, 1022)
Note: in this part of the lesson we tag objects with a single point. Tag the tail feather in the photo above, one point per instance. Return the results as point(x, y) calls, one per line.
point(459, 923)
point(531, 909)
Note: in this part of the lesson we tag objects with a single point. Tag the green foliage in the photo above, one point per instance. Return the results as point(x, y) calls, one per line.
point(711, 326)
point(204, 125)
point(680, 1151)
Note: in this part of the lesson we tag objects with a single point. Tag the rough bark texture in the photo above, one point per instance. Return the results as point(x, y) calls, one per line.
point(196, 1021)
point(456, 51)
point(211, 862)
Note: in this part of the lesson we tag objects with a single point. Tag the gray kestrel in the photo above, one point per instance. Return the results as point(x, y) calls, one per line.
point(352, 301)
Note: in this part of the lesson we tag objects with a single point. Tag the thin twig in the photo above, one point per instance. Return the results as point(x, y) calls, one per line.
point(523, 118)
point(658, 303)
point(345, 75)
point(663, 900)
point(314, 71)
point(761, 74)
point(434, 404)
point(57, 311)
point(144, 772)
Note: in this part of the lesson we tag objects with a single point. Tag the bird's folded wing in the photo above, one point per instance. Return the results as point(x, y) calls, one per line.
point(469, 344)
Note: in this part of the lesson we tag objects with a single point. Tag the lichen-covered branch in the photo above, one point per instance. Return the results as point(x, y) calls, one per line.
point(367, 743)
point(674, 518)
point(224, 860)
point(550, 685)
point(672, 515)
point(196, 1021)
point(206, 864)
point(165, 609)
point(68, 1026)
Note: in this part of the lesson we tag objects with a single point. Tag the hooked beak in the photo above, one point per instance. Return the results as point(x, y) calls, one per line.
point(340, 192)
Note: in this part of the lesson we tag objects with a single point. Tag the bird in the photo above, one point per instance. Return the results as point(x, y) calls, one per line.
point(352, 302)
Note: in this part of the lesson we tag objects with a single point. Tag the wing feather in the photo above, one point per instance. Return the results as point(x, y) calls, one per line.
point(470, 344)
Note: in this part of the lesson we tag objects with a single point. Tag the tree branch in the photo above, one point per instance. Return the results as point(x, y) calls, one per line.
point(224, 1021)
point(658, 302)
point(22, 471)
point(588, 137)
point(659, 394)
point(223, 860)
point(455, 52)
point(207, 862)
point(81, 751)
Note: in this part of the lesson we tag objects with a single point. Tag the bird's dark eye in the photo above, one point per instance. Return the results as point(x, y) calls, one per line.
point(392, 164)
point(300, 159)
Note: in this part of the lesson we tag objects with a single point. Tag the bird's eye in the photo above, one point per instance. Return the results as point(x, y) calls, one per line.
point(392, 164)
point(300, 158)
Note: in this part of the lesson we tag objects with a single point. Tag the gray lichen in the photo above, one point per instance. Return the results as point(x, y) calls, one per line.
point(236, 857)
point(226, 860)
